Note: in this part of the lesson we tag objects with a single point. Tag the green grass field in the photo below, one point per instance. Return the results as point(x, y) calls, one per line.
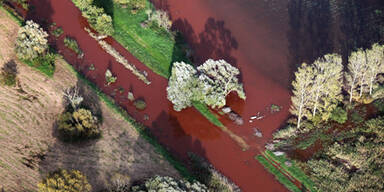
point(293, 170)
point(278, 175)
point(153, 46)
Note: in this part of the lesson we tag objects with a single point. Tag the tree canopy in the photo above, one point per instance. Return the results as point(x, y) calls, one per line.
point(31, 41)
point(210, 84)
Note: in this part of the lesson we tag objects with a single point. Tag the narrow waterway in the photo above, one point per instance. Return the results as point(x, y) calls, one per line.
point(257, 36)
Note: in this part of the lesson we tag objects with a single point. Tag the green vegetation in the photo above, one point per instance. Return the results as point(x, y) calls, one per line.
point(44, 64)
point(23, 3)
point(279, 176)
point(209, 84)
point(207, 175)
point(79, 125)
point(293, 169)
point(65, 181)
point(11, 13)
point(143, 131)
point(159, 183)
point(96, 17)
point(154, 46)
point(73, 45)
point(8, 73)
point(140, 104)
point(109, 77)
point(339, 115)
point(57, 32)
point(206, 112)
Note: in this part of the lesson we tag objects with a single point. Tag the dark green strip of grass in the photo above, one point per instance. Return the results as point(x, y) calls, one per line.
point(141, 129)
point(44, 64)
point(278, 175)
point(12, 15)
point(293, 170)
point(204, 110)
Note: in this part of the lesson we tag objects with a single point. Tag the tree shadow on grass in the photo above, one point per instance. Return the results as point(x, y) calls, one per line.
point(107, 5)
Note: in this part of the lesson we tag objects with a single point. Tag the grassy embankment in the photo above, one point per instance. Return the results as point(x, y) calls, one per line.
point(271, 162)
point(141, 129)
point(153, 46)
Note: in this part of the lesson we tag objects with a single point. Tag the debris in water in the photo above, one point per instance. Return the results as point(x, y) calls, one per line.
point(257, 132)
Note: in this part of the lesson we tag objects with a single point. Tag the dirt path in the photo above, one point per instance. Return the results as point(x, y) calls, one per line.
point(28, 146)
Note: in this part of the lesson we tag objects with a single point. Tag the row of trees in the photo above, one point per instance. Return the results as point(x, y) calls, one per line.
point(210, 84)
point(317, 88)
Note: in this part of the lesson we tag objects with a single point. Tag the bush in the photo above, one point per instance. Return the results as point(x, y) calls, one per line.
point(80, 124)
point(72, 44)
point(96, 17)
point(339, 115)
point(160, 18)
point(31, 41)
point(134, 5)
point(159, 183)
point(8, 73)
point(57, 32)
point(65, 181)
point(109, 77)
point(140, 104)
point(45, 64)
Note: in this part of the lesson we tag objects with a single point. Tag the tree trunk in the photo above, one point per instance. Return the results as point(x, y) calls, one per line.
point(351, 92)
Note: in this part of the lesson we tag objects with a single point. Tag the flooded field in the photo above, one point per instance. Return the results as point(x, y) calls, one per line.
point(266, 40)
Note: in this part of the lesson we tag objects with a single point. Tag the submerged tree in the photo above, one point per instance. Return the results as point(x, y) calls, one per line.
point(31, 41)
point(302, 92)
point(327, 85)
point(216, 80)
point(210, 84)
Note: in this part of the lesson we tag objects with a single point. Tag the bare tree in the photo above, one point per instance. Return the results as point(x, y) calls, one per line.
point(302, 92)
point(375, 60)
point(73, 97)
point(327, 84)
point(356, 75)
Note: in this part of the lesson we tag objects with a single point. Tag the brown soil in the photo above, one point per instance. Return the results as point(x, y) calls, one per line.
point(29, 148)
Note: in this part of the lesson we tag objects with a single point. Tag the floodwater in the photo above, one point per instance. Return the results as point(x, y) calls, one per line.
point(264, 39)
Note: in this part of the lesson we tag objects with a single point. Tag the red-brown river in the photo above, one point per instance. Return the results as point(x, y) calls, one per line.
point(265, 39)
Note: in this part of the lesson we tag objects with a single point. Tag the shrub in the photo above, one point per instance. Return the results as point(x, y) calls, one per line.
point(140, 104)
point(8, 73)
point(65, 181)
point(159, 17)
point(31, 41)
point(159, 183)
point(57, 32)
point(339, 115)
point(23, 3)
point(285, 133)
point(134, 5)
point(45, 64)
point(96, 17)
point(80, 124)
point(109, 77)
point(72, 44)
